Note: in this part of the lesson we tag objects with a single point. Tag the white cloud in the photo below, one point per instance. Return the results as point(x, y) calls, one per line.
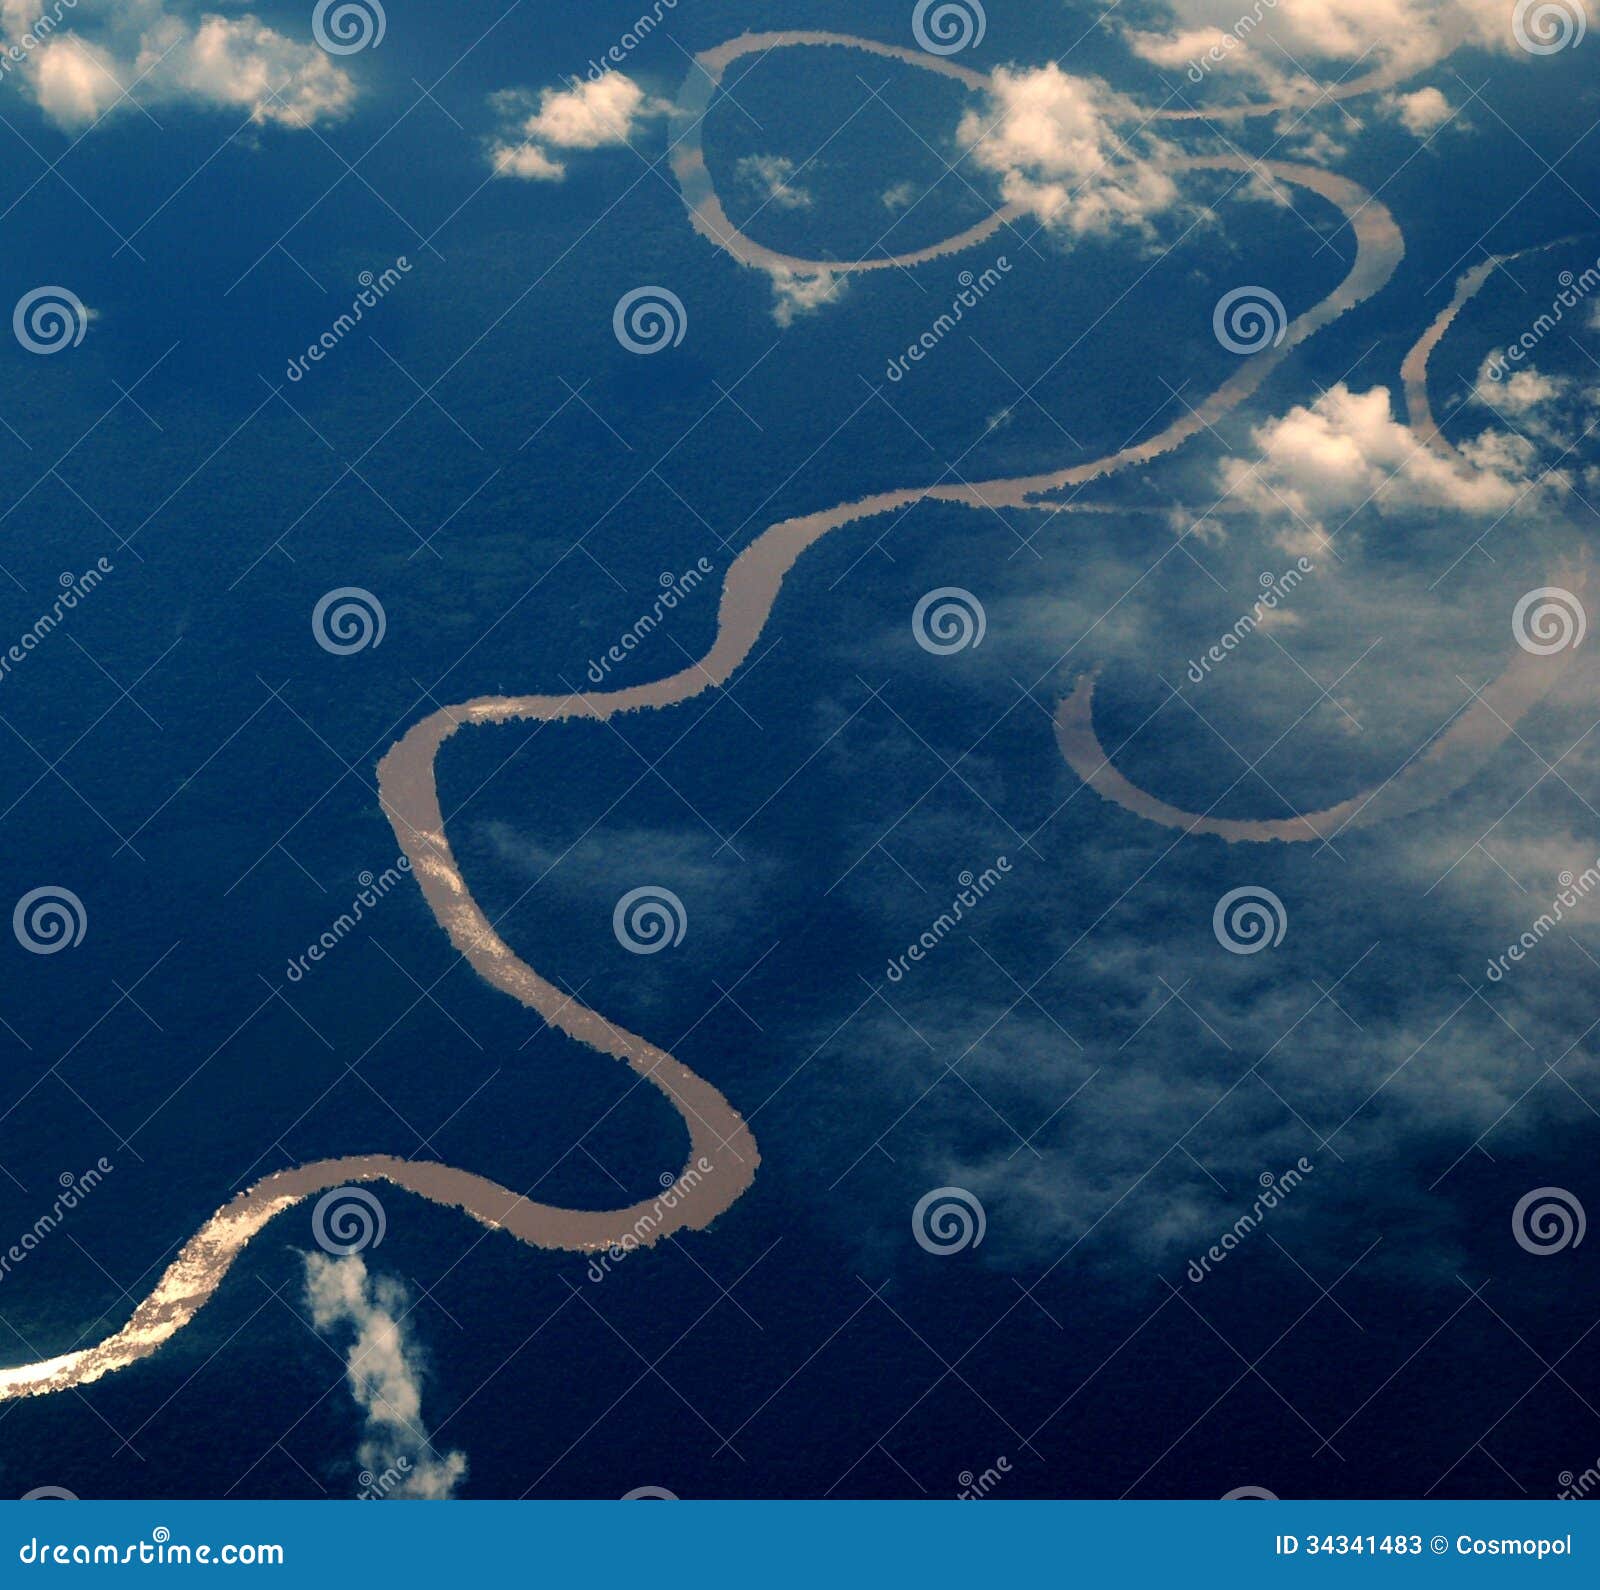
point(1199, 52)
point(770, 176)
point(242, 62)
point(1521, 392)
point(73, 81)
point(383, 1376)
point(108, 54)
point(1103, 1170)
point(1418, 31)
point(798, 294)
point(527, 161)
point(1053, 140)
point(1316, 145)
point(1551, 408)
point(1347, 451)
point(597, 113)
point(899, 196)
point(589, 115)
point(1286, 49)
point(1422, 112)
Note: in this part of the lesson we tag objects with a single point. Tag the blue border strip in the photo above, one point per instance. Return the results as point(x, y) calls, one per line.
point(814, 1544)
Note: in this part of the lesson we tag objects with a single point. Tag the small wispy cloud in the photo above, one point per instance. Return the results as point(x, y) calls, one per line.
point(796, 293)
point(385, 1376)
point(772, 176)
point(1285, 50)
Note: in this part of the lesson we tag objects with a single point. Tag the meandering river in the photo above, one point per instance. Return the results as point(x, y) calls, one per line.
point(719, 1144)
